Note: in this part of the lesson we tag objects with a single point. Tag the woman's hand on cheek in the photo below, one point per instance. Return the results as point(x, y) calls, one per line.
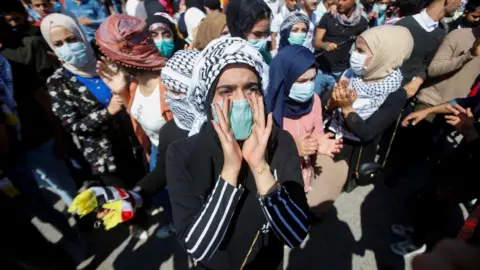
point(254, 147)
point(232, 153)
point(328, 145)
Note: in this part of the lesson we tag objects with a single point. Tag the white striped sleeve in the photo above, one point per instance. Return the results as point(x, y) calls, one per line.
point(288, 220)
point(211, 224)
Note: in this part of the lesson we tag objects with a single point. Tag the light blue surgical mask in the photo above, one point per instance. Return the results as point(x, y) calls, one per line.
point(74, 54)
point(302, 92)
point(241, 118)
point(297, 38)
point(165, 46)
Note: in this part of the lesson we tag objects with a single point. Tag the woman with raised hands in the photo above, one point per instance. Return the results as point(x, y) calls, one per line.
point(131, 53)
point(296, 108)
point(236, 187)
point(366, 101)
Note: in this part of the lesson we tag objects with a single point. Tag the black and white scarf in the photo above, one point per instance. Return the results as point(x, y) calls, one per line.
point(370, 96)
point(177, 77)
point(209, 65)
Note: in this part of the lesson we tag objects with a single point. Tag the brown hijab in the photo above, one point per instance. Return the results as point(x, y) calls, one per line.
point(390, 46)
point(125, 40)
point(209, 29)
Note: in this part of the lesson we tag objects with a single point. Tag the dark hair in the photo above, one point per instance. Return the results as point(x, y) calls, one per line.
point(472, 5)
point(408, 7)
point(242, 15)
point(12, 6)
point(195, 3)
point(212, 4)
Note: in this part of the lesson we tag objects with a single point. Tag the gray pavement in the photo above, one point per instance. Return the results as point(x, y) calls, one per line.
point(355, 235)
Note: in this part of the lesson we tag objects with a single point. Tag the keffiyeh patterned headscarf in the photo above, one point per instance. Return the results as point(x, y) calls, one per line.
point(177, 77)
point(125, 40)
point(210, 64)
point(286, 27)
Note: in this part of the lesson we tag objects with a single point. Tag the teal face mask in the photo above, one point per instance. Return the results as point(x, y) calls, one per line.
point(297, 38)
point(165, 46)
point(261, 46)
point(241, 118)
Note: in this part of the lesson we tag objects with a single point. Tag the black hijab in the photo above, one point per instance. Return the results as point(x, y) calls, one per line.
point(153, 9)
point(242, 15)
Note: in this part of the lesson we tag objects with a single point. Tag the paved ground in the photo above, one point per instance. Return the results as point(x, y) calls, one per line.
point(355, 236)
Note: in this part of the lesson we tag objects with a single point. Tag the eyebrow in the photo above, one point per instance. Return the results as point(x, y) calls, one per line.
point(233, 86)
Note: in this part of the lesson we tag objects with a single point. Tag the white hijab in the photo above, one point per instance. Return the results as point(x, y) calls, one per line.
point(55, 20)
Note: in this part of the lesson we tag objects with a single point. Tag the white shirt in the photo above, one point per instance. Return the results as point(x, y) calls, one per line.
point(277, 22)
point(425, 21)
point(320, 11)
point(311, 31)
point(147, 112)
point(136, 8)
point(274, 6)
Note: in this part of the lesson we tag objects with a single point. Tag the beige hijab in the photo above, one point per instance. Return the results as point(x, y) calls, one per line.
point(391, 45)
point(55, 20)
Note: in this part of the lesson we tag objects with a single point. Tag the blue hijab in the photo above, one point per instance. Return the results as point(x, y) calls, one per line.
point(286, 67)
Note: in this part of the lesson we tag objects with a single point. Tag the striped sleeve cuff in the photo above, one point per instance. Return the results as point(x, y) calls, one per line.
point(211, 224)
point(288, 220)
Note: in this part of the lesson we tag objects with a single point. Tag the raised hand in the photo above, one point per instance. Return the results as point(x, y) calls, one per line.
point(232, 154)
point(328, 145)
point(344, 97)
point(254, 147)
point(111, 75)
point(462, 119)
point(306, 145)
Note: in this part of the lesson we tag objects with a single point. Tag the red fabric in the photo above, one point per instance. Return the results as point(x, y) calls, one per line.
point(167, 5)
point(122, 193)
point(124, 39)
point(127, 215)
point(474, 91)
point(469, 226)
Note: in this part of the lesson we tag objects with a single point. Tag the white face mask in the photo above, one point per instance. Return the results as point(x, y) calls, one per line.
point(357, 62)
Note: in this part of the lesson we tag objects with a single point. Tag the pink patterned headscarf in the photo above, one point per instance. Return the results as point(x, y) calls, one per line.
point(125, 40)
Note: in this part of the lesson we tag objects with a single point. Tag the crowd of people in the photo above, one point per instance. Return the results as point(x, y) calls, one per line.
point(250, 116)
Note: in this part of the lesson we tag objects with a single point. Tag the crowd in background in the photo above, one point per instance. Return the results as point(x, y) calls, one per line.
point(250, 117)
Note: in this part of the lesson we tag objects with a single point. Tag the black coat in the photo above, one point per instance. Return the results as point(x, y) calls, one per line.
point(193, 168)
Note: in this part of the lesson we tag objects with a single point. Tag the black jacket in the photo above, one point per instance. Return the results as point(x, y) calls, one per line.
point(369, 131)
point(224, 227)
point(156, 180)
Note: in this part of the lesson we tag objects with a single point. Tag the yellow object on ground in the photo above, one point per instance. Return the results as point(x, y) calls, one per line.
point(114, 217)
point(84, 203)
